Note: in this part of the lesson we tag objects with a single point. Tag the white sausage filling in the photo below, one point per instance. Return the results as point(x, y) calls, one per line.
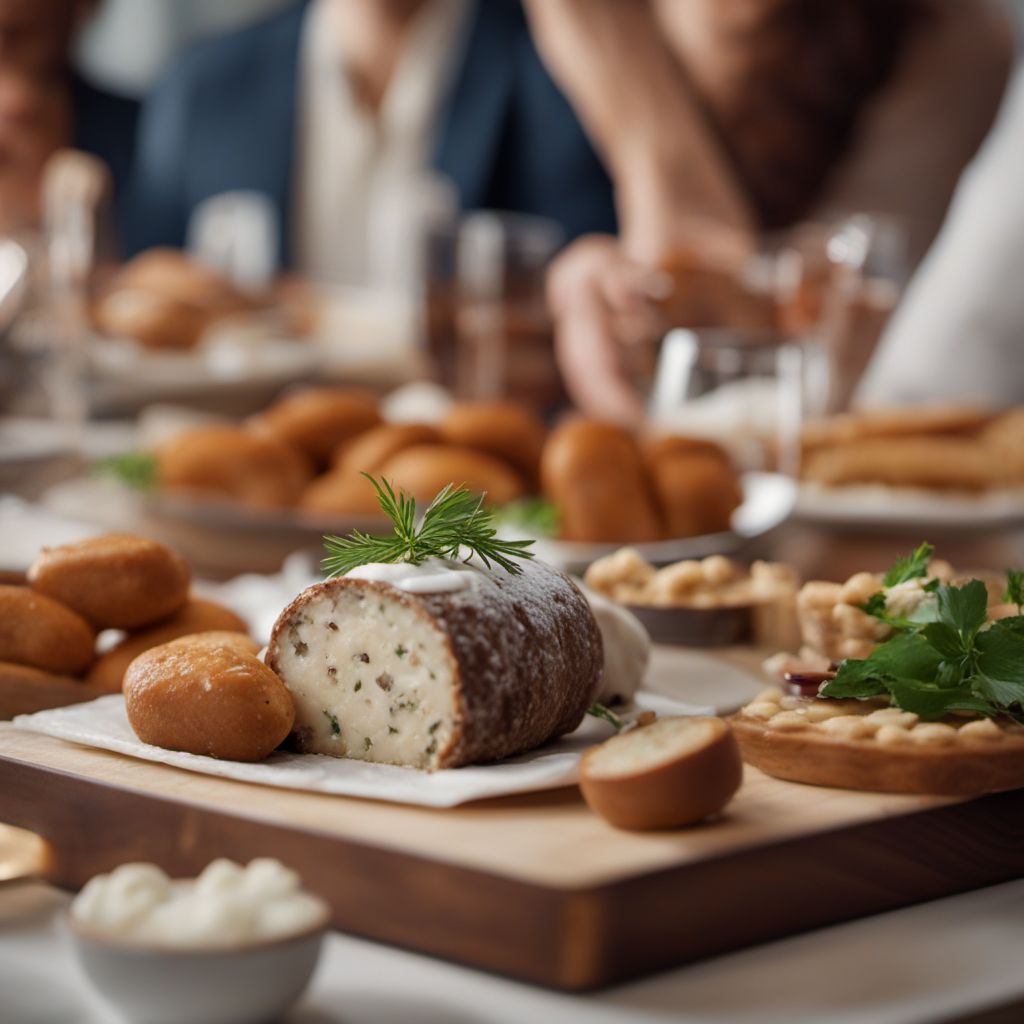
point(372, 679)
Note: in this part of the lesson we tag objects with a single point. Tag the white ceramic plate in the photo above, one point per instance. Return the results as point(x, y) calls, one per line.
point(886, 508)
point(768, 499)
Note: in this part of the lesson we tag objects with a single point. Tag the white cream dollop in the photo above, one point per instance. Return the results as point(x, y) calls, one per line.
point(227, 906)
point(627, 648)
point(432, 576)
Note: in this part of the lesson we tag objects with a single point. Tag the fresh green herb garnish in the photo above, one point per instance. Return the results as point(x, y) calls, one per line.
point(944, 656)
point(535, 516)
point(911, 567)
point(137, 470)
point(1014, 593)
point(600, 711)
point(335, 725)
point(454, 523)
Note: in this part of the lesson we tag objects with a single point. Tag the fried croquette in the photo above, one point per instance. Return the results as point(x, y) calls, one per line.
point(116, 581)
point(197, 616)
point(231, 462)
point(206, 695)
point(38, 631)
point(316, 421)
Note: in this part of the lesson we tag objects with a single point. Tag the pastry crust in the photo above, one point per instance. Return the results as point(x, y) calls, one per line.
point(316, 421)
point(505, 430)
point(341, 492)
point(424, 469)
point(38, 631)
point(231, 462)
point(368, 452)
point(931, 462)
point(208, 695)
point(115, 581)
point(913, 421)
point(696, 489)
point(197, 616)
point(594, 473)
point(957, 757)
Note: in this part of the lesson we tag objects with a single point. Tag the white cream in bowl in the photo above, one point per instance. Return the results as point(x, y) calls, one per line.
point(227, 907)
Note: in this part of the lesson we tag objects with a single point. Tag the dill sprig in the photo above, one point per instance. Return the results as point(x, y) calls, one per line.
point(455, 526)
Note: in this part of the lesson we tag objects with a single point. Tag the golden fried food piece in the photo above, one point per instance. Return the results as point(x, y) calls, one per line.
point(318, 420)
point(38, 631)
point(1005, 437)
point(171, 274)
point(207, 696)
point(11, 672)
point(231, 462)
point(595, 474)
point(504, 429)
point(154, 321)
point(198, 616)
point(341, 492)
point(116, 581)
point(912, 421)
point(940, 463)
point(696, 492)
point(424, 469)
point(368, 452)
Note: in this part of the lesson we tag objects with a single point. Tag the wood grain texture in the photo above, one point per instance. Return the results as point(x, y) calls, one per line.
point(535, 886)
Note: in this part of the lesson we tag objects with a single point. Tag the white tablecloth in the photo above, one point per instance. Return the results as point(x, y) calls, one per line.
point(935, 962)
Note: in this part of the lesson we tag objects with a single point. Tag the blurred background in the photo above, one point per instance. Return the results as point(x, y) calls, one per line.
point(785, 229)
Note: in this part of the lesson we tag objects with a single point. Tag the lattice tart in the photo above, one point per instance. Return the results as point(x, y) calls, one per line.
point(870, 745)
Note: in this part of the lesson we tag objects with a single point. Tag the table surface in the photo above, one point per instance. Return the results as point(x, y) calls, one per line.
point(955, 959)
point(943, 961)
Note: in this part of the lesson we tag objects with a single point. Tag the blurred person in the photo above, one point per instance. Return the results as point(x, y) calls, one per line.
point(958, 336)
point(46, 106)
point(747, 118)
point(334, 109)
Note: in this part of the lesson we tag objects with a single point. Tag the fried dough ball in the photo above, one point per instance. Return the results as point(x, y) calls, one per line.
point(38, 631)
point(198, 616)
point(368, 452)
point(207, 695)
point(154, 321)
point(116, 581)
point(696, 488)
point(594, 473)
point(504, 429)
point(341, 492)
point(12, 673)
point(172, 274)
point(318, 420)
point(424, 469)
point(230, 462)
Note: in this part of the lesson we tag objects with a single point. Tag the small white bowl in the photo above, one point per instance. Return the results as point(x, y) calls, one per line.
point(149, 984)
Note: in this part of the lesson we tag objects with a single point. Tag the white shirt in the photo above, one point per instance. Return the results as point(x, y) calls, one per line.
point(958, 335)
point(362, 184)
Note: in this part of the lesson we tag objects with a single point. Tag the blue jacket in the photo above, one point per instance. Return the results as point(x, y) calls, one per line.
point(225, 118)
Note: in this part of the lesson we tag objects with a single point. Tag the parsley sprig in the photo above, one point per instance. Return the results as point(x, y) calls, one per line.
point(455, 526)
point(945, 656)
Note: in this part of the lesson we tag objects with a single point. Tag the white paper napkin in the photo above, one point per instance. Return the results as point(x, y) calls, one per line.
point(102, 723)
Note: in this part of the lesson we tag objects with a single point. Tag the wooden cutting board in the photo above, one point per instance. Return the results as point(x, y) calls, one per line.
point(535, 886)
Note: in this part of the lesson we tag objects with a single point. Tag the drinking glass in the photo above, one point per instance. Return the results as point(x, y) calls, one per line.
point(488, 323)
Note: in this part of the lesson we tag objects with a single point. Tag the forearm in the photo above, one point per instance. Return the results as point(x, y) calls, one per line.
point(632, 95)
